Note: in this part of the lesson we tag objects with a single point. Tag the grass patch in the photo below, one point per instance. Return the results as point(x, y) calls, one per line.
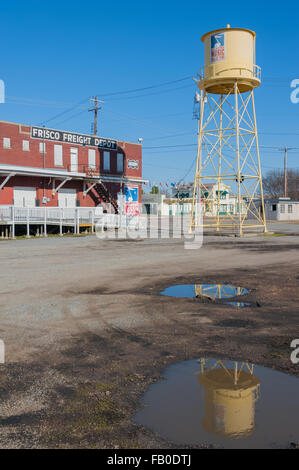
point(274, 235)
point(92, 414)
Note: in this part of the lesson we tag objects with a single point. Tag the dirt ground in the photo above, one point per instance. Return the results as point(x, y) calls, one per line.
point(86, 330)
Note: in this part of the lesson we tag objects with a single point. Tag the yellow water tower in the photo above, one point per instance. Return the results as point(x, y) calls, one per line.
point(230, 397)
point(228, 169)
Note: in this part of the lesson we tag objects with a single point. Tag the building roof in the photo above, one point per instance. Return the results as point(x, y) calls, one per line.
point(57, 173)
point(281, 201)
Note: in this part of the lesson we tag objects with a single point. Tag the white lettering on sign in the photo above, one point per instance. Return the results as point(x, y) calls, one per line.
point(72, 138)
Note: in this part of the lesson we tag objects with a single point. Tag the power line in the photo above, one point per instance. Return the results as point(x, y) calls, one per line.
point(185, 176)
point(124, 92)
point(192, 145)
point(147, 87)
point(148, 94)
point(63, 112)
point(169, 136)
point(70, 117)
point(39, 101)
point(169, 146)
point(194, 133)
point(36, 104)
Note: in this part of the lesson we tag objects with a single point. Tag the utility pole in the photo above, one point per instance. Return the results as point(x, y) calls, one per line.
point(95, 109)
point(285, 150)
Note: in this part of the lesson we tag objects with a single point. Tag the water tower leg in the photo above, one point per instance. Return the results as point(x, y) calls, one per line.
point(196, 216)
point(236, 373)
point(263, 215)
point(219, 164)
point(240, 230)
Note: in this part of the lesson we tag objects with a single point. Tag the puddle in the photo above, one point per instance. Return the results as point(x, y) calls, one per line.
point(239, 304)
point(224, 404)
point(210, 291)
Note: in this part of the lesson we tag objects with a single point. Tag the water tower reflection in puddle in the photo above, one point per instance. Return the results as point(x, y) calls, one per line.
point(230, 397)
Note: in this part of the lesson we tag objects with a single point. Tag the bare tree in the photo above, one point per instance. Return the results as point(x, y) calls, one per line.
point(273, 184)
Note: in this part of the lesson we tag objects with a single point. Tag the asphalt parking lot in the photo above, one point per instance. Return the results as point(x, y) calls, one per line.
point(86, 329)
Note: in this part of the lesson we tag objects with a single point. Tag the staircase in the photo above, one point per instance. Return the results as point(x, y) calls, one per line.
point(105, 196)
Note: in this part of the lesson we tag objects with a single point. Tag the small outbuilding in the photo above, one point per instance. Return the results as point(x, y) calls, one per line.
point(282, 209)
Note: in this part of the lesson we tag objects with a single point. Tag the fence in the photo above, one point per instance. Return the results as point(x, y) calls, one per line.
point(74, 217)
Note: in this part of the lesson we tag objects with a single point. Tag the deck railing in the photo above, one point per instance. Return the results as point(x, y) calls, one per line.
point(12, 215)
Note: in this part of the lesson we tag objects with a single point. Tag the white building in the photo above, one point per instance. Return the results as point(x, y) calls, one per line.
point(211, 194)
point(282, 208)
point(181, 201)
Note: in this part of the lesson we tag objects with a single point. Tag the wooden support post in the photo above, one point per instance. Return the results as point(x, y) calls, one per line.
point(92, 222)
point(28, 224)
point(45, 222)
point(13, 223)
point(75, 221)
point(60, 222)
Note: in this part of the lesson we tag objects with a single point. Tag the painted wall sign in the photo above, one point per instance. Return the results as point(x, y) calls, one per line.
point(131, 193)
point(133, 164)
point(217, 47)
point(131, 200)
point(72, 138)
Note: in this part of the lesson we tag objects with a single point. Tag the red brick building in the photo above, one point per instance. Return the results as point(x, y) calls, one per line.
point(47, 167)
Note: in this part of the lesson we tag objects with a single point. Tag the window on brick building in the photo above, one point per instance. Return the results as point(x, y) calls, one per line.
point(6, 142)
point(282, 208)
point(290, 208)
point(25, 145)
point(107, 161)
point(58, 155)
point(92, 159)
point(120, 163)
point(42, 147)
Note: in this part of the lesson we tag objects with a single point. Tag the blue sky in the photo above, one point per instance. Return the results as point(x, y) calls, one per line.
point(55, 55)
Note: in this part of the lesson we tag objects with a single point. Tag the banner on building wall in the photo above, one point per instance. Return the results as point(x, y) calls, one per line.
point(131, 200)
point(43, 133)
point(217, 47)
point(133, 164)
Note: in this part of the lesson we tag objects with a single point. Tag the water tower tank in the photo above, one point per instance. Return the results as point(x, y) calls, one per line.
point(229, 56)
point(229, 407)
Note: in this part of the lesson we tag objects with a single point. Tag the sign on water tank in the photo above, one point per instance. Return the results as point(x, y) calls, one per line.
point(217, 47)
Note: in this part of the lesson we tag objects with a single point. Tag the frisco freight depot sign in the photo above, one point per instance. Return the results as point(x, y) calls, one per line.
point(72, 138)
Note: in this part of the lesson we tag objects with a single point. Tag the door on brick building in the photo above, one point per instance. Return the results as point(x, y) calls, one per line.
point(67, 197)
point(24, 197)
point(74, 159)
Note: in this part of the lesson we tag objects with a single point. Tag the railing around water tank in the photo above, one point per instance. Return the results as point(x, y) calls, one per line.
point(255, 73)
